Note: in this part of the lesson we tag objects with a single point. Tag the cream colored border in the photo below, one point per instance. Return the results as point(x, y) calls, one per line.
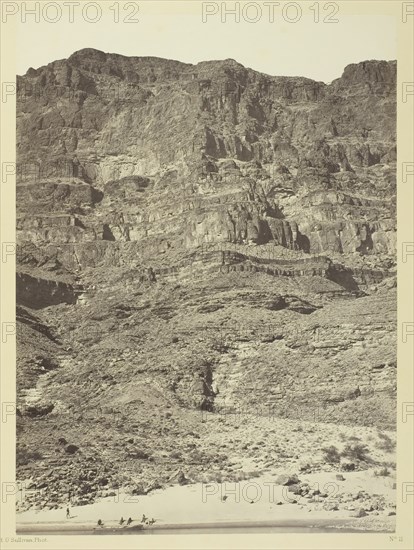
point(403, 538)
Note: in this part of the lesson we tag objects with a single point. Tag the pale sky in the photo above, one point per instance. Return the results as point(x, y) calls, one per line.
point(306, 48)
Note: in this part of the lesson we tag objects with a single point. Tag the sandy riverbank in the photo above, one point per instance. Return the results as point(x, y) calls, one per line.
point(253, 504)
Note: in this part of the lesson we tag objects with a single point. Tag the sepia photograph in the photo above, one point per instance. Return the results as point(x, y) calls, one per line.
point(206, 269)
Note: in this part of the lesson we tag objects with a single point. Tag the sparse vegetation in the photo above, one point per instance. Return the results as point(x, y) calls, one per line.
point(331, 455)
point(384, 472)
point(386, 443)
point(180, 359)
point(176, 455)
point(298, 429)
point(356, 451)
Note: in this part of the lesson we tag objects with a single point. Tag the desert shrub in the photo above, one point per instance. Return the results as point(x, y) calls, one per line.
point(175, 454)
point(139, 489)
point(220, 346)
point(240, 476)
point(331, 454)
point(139, 454)
point(355, 451)
point(386, 443)
point(217, 477)
point(384, 472)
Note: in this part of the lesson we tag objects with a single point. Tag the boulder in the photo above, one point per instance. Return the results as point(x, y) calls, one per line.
point(286, 479)
point(348, 466)
point(71, 449)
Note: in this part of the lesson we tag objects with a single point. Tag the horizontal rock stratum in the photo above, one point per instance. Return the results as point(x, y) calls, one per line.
point(210, 152)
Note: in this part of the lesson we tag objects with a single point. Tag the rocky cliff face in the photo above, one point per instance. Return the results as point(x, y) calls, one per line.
point(209, 153)
point(186, 229)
